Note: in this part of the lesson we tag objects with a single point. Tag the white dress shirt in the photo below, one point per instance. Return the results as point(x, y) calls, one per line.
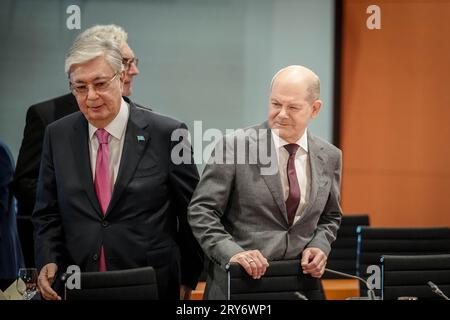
point(116, 130)
point(302, 168)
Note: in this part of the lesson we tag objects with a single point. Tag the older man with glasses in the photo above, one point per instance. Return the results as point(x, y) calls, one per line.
point(109, 196)
point(40, 115)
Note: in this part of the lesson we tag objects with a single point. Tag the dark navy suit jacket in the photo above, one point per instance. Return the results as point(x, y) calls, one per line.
point(146, 221)
point(10, 252)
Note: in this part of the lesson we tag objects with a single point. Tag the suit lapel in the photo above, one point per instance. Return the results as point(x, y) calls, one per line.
point(80, 150)
point(272, 181)
point(136, 141)
point(317, 163)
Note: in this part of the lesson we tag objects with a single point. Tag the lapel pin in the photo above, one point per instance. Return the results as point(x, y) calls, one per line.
point(140, 138)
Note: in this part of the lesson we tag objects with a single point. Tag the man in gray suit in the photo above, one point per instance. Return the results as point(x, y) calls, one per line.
point(242, 213)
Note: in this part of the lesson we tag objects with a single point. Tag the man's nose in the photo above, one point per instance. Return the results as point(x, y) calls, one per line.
point(283, 113)
point(133, 71)
point(92, 93)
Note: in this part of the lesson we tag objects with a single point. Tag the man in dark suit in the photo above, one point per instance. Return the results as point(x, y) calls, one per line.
point(10, 253)
point(40, 115)
point(109, 196)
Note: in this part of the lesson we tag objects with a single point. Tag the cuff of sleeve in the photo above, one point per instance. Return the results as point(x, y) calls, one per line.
point(322, 245)
point(225, 250)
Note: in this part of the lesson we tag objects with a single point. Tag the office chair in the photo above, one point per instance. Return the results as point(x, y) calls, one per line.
point(409, 276)
point(131, 284)
point(375, 242)
point(283, 280)
point(343, 250)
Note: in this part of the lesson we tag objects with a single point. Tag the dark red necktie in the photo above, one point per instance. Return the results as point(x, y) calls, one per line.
point(293, 199)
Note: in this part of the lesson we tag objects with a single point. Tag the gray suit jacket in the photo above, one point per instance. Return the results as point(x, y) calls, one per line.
point(236, 208)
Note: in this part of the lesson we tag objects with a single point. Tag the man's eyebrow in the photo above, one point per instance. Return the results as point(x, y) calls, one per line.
point(95, 79)
point(101, 78)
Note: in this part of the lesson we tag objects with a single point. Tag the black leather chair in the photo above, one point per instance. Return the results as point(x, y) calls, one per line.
point(409, 275)
point(131, 284)
point(343, 251)
point(375, 242)
point(283, 280)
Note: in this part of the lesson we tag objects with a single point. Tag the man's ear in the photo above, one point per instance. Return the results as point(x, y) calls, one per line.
point(122, 79)
point(122, 76)
point(316, 108)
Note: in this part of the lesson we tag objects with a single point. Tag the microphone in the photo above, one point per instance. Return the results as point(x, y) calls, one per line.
point(436, 290)
point(300, 296)
point(370, 292)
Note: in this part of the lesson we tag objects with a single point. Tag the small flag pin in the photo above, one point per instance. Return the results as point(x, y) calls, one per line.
point(140, 138)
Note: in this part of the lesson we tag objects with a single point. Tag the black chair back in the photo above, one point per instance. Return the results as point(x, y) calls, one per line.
point(409, 275)
point(343, 251)
point(376, 242)
point(283, 280)
point(131, 284)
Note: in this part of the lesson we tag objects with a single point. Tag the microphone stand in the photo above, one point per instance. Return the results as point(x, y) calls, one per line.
point(436, 290)
point(370, 292)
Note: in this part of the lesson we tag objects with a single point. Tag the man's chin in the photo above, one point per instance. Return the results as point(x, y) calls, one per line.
point(280, 130)
point(96, 115)
point(283, 133)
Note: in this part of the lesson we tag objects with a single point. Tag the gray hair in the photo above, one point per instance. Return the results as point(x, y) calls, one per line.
point(313, 81)
point(99, 40)
point(109, 32)
point(89, 49)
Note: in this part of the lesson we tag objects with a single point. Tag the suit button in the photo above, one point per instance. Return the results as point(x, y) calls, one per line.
point(95, 257)
point(105, 224)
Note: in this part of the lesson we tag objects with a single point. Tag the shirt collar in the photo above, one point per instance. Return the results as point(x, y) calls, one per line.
point(280, 142)
point(116, 128)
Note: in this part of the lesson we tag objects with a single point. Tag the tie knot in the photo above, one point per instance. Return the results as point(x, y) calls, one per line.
point(102, 136)
point(291, 148)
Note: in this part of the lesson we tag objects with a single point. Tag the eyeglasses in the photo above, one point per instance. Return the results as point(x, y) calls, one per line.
point(128, 62)
point(100, 86)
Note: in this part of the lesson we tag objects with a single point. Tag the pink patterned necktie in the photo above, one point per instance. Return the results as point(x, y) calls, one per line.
point(293, 199)
point(102, 180)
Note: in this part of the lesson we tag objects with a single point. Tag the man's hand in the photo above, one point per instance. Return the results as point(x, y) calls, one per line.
point(45, 281)
point(252, 261)
point(313, 262)
point(185, 292)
